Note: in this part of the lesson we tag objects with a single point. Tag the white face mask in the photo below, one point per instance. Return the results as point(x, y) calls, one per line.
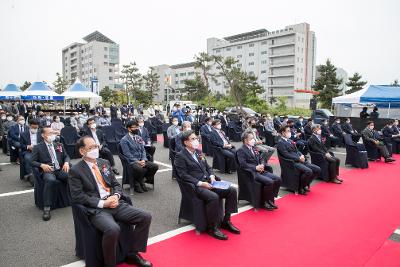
point(9, 118)
point(33, 131)
point(21, 122)
point(319, 132)
point(3, 117)
point(141, 124)
point(93, 126)
point(57, 120)
point(175, 123)
point(371, 127)
point(195, 144)
point(288, 135)
point(51, 138)
point(252, 142)
point(93, 154)
point(48, 117)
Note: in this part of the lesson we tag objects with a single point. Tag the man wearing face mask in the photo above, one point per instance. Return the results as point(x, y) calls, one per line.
point(330, 139)
point(98, 136)
point(391, 137)
point(173, 130)
point(287, 149)
point(265, 151)
point(338, 131)
point(144, 133)
point(315, 145)
point(251, 161)
point(348, 129)
point(45, 121)
point(53, 162)
point(205, 133)
point(219, 139)
point(93, 185)
point(16, 131)
point(132, 146)
point(186, 126)
point(193, 169)
point(29, 139)
point(300, 124)
point(76, 122)
point(369, 136)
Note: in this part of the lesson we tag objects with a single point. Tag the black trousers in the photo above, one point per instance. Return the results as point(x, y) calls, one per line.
point(308, 172)
point(106, 154)
point(106, 222)
point(50, 181)
point(212, 198)
point(150, 150)
point(139, 173)
point(383, 150)
point(271, 184)
point(333, 166)
point(27, 160)
point(230, 162)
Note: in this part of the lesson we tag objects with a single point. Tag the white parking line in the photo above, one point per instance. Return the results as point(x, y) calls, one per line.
point(5, 163)
point(163, 164)
point(16, 193)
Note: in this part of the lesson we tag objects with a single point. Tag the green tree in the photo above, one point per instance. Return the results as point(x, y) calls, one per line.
point(327, 84)
point(395, 83)
point(25, 85)
point(132, 80)
point(196, 90)
point(144, 97)
point(106, 94)
point(152, 84)
point(61, 84)
point(355, 83)
point(204, 63)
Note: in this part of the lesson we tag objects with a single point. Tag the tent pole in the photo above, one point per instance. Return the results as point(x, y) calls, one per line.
point(388, 111)
point(64, 105)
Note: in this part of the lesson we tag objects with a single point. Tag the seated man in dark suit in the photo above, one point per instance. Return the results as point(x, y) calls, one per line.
point(144, 133)
point(219, 139)
point(368, 135)
point(98, 136)
point(28, 140)
point(287, 149)
point(132, 146)
point(53, 161)
point(391, 136)
point(348, 129)
point(93, 185)
point(15, 132)
point(205, 130)
point(186, 126)
point(250, 160)
point(338, 131)
point(192, 168)
point(299, 124)
point(315, 145)
point(327, 136)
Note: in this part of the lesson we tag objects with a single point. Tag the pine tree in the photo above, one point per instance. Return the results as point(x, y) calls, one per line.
point(327, 84)
point(355, 83)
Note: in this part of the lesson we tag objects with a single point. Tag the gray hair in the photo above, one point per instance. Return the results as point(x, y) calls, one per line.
point(315, 126)
point(246, 134)
point(186, 124)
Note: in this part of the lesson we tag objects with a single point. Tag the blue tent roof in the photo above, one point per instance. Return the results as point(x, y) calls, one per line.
point(78, 87)
point(11, 88)
point(381, 94)
point(38, 86)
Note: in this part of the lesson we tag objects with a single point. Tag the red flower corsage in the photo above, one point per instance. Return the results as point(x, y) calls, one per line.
point(59, 148)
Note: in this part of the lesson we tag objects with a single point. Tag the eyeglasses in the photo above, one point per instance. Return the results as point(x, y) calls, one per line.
point(193, 138)
point(93, 147)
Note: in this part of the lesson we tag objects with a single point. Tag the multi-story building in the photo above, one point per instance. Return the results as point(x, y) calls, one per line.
point(283, 60)
point(97, 59)
point(172, 80)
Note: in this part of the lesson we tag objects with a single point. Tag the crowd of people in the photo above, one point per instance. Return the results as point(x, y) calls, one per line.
point(35, 139)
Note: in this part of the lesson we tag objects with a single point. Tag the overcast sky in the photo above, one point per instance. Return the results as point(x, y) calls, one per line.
point(355, 35)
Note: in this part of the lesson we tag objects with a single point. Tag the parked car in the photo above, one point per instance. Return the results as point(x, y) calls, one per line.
point(321, 114)
point(232, 111)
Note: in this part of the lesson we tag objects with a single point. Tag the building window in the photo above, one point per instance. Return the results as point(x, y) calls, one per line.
point(191, 73)
point(110, 78)
point(263, 52)
point(263, 42)
point(263, 81)
point(239, 47)
point(239, 65)
point(176, 82)
point(228, 49)
point(251, 73)
point(105, 64)
point(251, 45)
point(251, 54)
point(182, 74)
point(263, 71)
point(176, 75)
point(105, 48)
point(251, 63)
point(110, 70)
point(239, 56)
point(217, 50)
point(263, 62)
point(105, 56)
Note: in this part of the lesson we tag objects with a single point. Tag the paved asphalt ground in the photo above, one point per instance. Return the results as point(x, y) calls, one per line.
point(26, 240)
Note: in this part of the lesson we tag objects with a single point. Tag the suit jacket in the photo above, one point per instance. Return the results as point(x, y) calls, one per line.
point(315, 145)
point(22, 109)
point(307, 130)
point(190, 170)
point(368, 135)
point(41, 155)
point(337, 129)
point(387, 133)
point(326, 132)
point(100, 136)
point(144, 134)
point(247, 160)
point(205, 132)
point(347, 128)
point(216, 139)
point(25, 139)
point(133, 151)
point(83, 186)
point(171, 131)
point(299, 125)
point(288, 150)
point(14, 133)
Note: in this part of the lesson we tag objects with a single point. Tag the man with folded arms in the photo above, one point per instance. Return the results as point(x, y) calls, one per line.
point(193, 168)
point(92, 183)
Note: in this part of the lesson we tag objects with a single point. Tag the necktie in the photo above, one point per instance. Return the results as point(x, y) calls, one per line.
point(53, 158)
point(21, 129)
point(100, 178)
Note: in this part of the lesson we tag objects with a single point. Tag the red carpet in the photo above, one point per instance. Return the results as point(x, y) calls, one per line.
point(387, 255)
point(336, 225)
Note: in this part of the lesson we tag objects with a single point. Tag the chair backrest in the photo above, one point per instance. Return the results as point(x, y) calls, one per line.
point(121, 155)
point(109, 132)
point(348, 140)
point(69, 135)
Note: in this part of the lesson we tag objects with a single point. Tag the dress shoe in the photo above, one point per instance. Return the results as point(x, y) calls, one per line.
point(229, 172)
point(216, 233)
point(389, 160)
point(306, 189)
point(272, 203)
point(341, 180)
point(302, 192)
point(144, 187)
point(115, 171)
point(46, 214)
point(138, 189)
point(230, 227)
point(268, 206)
point(136, 259)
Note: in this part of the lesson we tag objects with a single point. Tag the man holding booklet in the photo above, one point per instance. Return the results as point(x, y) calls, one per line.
point(192, 167)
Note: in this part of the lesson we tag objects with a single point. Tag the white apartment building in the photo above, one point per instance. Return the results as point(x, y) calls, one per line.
point(172, 80)
point(97, 59)
point(283, 60)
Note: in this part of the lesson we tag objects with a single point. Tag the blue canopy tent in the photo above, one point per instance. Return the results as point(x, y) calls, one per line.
point(382, 96)
point(40, 91)
point(10, 92)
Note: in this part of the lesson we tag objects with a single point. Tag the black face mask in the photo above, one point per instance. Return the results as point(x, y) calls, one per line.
point(136, 131)
point(253, 126)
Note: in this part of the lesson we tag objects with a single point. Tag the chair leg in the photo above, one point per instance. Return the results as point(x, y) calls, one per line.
point(179, 220)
